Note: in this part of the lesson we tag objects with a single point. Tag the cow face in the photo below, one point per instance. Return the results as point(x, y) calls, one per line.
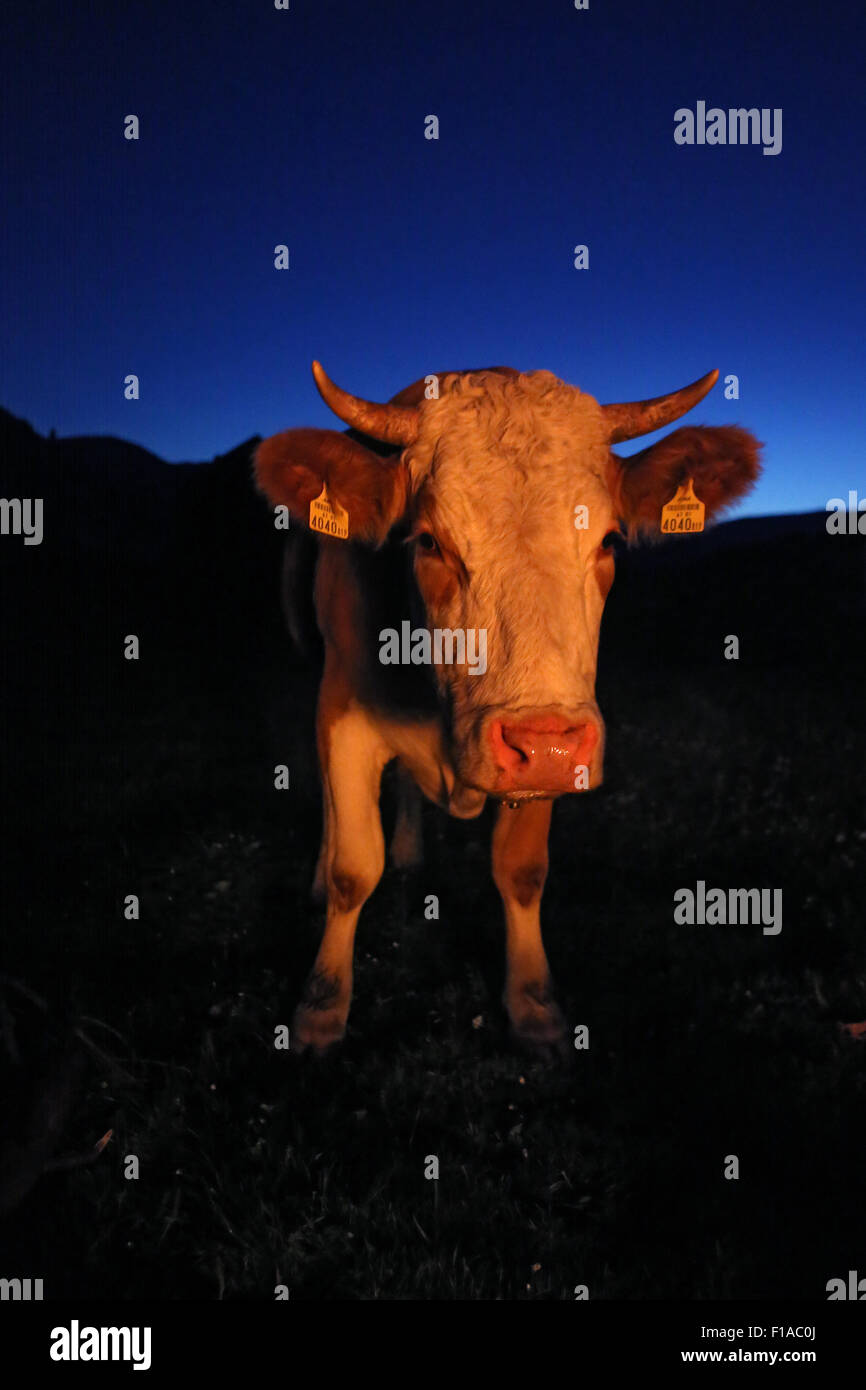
point(501, 470)
point(511, 497)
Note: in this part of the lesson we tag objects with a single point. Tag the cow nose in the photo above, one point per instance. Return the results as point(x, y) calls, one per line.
point(542, 753)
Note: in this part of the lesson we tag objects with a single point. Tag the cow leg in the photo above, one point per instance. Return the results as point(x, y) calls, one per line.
point(352, 755)
point(519, 872)
point(319, 890)
point(407, 847)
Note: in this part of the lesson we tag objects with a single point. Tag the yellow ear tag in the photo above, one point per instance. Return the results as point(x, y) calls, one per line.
point(684, 514)
point(329, 517)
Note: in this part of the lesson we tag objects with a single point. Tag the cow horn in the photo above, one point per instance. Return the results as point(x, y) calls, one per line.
point(628, 419)
point(392, 424)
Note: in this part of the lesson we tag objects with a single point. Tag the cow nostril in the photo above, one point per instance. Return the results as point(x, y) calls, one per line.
point(543, 751)
point(514, 738)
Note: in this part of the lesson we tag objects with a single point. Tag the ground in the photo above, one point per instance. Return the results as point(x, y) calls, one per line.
point(258, 1168)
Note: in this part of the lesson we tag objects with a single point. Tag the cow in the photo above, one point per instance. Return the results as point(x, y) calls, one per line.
point(454, 508)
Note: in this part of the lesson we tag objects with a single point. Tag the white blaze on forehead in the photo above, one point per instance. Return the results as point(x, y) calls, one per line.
point(506, 460)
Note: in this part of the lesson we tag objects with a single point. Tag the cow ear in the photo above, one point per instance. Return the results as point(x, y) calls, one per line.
point(724, 462)
point(292, 468)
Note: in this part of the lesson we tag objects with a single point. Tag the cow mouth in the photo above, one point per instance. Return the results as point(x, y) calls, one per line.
point(529, 753)
point(515, 799)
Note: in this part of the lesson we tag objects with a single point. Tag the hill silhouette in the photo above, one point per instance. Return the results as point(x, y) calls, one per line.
point(184, 556)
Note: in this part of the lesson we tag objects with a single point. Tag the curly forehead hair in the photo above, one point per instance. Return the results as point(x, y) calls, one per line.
point(524, 416)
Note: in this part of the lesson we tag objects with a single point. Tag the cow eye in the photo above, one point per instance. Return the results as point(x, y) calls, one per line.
point(426, 542)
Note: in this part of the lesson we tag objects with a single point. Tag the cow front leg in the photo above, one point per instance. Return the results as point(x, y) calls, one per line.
point(352, 756)
point(319, 890)
point(519, 872)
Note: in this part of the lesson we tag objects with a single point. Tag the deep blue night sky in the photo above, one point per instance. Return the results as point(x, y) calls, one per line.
point(408, 255)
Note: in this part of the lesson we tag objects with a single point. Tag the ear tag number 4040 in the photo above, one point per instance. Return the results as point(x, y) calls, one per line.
point(684, 514)
point(328, 516)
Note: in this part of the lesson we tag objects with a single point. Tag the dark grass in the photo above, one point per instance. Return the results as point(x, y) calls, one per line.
point(258, 1168)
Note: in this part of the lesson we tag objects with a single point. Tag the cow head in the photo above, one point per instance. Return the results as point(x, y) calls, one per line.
point(510, 497)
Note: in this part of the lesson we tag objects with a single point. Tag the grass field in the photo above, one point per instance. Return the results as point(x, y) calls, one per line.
point(258, 1168)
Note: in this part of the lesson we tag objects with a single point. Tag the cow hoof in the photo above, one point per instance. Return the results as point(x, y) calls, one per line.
point(537, 1023)
point(320, 1018)
point(317, 1029)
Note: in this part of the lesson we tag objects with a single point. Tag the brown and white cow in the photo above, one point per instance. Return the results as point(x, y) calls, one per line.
point(465, 520)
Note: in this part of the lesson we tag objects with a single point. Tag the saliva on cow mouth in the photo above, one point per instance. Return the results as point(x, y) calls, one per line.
point(514, 799)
